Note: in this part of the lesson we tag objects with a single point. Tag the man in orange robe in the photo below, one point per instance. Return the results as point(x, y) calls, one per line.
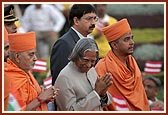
point(18, 76)
point(127, 90)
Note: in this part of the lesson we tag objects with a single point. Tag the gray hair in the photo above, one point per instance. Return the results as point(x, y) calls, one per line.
point(83, 45)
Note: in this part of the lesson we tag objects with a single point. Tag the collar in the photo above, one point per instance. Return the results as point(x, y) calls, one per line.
point(79, 34)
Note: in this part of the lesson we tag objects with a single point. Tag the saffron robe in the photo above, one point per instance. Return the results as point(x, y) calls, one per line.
point(23, 82)
point(127, 82)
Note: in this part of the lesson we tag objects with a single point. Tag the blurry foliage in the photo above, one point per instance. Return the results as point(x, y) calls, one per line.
point(40, 76)
point(148, 35)
point(135, 9)
point(160, 95)
point(149, 52)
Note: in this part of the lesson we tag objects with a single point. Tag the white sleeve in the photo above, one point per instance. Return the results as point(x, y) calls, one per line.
point(67, 101)
point(25, 20)
point(58, 18)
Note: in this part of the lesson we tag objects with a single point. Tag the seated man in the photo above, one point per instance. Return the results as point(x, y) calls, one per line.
point(152, 87)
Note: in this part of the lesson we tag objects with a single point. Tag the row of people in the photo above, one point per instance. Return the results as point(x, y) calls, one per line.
point(83, 81)
point(43, 19)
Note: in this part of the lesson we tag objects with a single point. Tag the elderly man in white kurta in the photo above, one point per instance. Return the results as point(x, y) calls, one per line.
point(80, 87)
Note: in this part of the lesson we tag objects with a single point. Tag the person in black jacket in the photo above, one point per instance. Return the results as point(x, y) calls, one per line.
point(82, 19)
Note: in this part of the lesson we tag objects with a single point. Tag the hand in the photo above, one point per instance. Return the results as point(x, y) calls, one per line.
point(48, 94)
point(157, 104)
point(102, 84)
point(106, 24)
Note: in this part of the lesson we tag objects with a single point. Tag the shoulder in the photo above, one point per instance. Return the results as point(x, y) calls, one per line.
point(62, 43)
point(70, 37)
point(132, 59)
point(64, 39)
point(100, 63)
point(65, 70)
point(65, 74)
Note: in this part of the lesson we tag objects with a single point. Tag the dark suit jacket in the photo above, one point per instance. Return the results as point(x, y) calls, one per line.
point(61, 51)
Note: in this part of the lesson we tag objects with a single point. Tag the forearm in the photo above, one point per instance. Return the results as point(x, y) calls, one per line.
point(33, 105)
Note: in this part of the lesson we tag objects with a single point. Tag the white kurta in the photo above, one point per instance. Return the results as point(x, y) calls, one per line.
point(77, 90)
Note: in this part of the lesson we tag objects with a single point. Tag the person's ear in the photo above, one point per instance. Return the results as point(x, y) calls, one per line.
point(113, 45)
point(76, 20)
point(16, 56)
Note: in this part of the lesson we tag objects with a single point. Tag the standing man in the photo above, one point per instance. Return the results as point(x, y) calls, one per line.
point(127, 79)
point(80, 87)
point(10, 19)
point(18, 74)
point(82, 20)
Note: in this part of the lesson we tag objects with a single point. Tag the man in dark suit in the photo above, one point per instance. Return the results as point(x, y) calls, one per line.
point(82, 19)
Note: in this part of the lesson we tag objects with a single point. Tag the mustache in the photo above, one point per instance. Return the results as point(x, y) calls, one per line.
point(92, 26)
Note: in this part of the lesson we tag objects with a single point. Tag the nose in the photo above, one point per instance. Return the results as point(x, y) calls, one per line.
point(93, 23)
point(131, 41)
point(35, 58)
point(14, 26)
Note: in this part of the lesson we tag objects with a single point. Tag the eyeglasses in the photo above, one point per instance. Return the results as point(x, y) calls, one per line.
point(92, 18)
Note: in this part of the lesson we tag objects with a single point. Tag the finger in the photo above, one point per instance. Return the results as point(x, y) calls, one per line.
point(53, 96)
point(109, 84)
point(57, 89)
point(103, 77)
point(52, 87)
point(109, 74)
point(107, 78)
point(55, 92)
point(42, 88)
